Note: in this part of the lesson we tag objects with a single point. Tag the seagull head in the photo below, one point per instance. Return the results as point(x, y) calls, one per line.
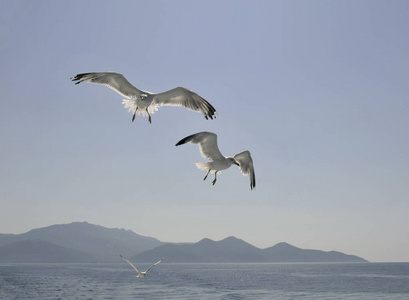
point(143, 97)
point(233, 161)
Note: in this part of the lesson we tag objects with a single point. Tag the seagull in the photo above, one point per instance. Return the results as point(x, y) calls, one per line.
point(208, 149)
point(146, 103)
point(140, 274)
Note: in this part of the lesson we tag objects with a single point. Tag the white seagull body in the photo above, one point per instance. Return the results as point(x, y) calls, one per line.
point(140, 274)
point(208, 149)
point(144, 102)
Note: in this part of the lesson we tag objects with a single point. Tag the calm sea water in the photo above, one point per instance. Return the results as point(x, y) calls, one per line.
point(206, 281)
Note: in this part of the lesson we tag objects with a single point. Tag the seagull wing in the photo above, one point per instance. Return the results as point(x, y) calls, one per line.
point(115, 81)
point(129, 262)
point(207, 144)
point(186, 98)
point(246, 166)
point(154, 265)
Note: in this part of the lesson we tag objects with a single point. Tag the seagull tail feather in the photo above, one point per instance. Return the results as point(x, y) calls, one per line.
point(131, 105)
point(204, 166)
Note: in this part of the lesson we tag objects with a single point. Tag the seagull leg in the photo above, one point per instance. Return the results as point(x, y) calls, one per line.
point(214, 181)
point(150, 120)
point(206, 175)
point(133, 117)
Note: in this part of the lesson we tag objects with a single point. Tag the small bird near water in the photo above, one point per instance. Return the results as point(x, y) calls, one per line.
point(140, 274)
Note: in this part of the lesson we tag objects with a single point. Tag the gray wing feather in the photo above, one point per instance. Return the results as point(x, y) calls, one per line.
point(246, 166)
point(113, 80)
point(154, 265)
point(186, 98)
point(207, 144)
point(129, 262)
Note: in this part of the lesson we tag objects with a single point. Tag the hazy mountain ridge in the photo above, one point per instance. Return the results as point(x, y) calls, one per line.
point(285, 252)
point(38, 251)
point(102, 243)
point(234, 250)
point(84, 242)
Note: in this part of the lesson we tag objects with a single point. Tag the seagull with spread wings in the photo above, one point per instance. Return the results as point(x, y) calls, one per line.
point(208, 149)
point(146, 103)
point(140, 274)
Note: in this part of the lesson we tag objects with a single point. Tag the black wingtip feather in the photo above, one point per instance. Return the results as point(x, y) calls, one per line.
point(253, 183)
point(79, 77)
point(210, 110)
point(185, 140)
point(181, 142)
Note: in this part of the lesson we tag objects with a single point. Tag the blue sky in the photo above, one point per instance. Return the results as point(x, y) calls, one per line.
point(317, 91)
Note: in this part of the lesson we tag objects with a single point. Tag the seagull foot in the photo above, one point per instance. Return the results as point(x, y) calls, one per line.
point(150, 120)
point(206, 175)
point(214, 181)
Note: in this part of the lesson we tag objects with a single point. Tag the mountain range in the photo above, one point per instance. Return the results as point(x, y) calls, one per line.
point(234, 250)
point(78, 242)
point(84, 242)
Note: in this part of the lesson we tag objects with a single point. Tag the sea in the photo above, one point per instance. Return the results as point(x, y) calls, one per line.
point(206, 281)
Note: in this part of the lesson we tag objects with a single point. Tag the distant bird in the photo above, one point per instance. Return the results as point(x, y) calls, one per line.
point(208, 149)
point(146, 103)
point(140, 274)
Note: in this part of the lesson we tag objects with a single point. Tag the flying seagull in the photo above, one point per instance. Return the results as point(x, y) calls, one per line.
point(146, 103)
point(140, 274)
point(208, 149)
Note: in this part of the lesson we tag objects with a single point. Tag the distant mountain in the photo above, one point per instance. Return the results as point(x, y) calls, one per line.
point(232, 250)
point(84, 242)
point(39, 251)
point(100, 243)
point(284, 252)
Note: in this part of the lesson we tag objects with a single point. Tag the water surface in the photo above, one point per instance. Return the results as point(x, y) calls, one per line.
point(206, 281)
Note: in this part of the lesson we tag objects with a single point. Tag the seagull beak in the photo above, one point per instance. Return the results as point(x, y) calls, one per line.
point(236, 163)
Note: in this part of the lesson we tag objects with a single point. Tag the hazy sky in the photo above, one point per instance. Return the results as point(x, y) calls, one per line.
point(316, 90)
